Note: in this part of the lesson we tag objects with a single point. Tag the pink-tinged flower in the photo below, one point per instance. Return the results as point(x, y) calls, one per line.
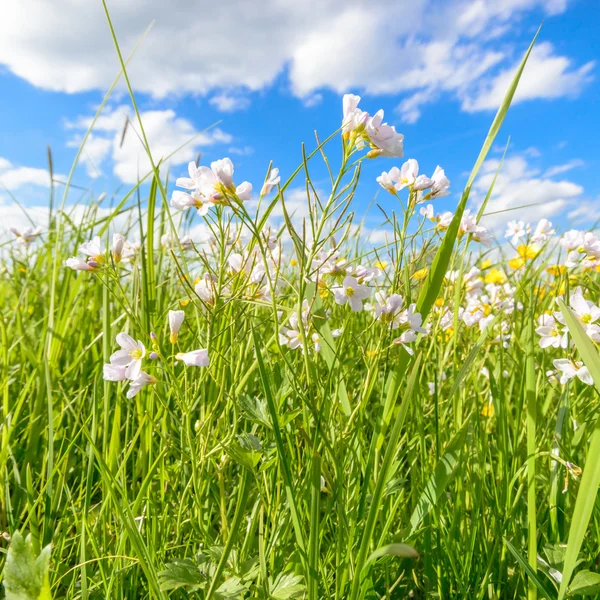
point(351, 292)
point(182, 201)
point(550, 332)
point(130, 355)
point(543, 231)
point(193, 181)
point(427, 212)
point(28, 235)
point(195, 358)
point(223, 170)
point(93, 249)
point(244, 191)
point(176, 318)
point(80, 265)
point(140, 382)
point(117, 247)
point(114, 373)
point(272, 180)
point(385, 137)
point(441, 185)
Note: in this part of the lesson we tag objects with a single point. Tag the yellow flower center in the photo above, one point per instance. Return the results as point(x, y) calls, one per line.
point(136, 354)
point(350, 292)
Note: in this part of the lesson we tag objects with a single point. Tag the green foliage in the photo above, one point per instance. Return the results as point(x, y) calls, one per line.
point(25, 576)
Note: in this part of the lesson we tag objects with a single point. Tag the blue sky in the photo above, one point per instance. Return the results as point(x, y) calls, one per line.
point(273, 74)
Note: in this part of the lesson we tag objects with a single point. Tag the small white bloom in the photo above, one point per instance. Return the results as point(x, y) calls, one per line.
point(176, 318)
point(351, 292)
point(570, 369)
point(118, 244)
point(195, 358)
point(140, 382)
point(272, 180)
point(114, 373)
point(130, 355)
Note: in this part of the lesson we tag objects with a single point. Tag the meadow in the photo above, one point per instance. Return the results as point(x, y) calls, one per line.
point(287, 410)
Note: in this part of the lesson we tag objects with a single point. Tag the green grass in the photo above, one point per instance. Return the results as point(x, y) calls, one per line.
point(280, 473)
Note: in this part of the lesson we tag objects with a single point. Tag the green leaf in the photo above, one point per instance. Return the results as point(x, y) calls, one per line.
point(590, 479)
point(287, 586)
point(533, 578)
point(400, 550)
point(585, 583)
point(25, 575)
point(182, 573)
point(246, 449)
point(231, 589)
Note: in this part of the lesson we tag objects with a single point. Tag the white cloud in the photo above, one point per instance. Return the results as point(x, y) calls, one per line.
point(522, 192)
point(546, 75)
point(419, 47)
point(559, 169)
point(229, 103)
point(13, 177)
point(165, 131)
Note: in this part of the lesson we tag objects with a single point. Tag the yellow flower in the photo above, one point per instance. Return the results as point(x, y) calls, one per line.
point(488, 410)
point(293, 262)
point(527, 252)
point(556, 270)
point(516, 263)
point(420, 274)
point(439, 302)
point(381, 264)
point(184, 302)
point(495, 276)
point(486, 264)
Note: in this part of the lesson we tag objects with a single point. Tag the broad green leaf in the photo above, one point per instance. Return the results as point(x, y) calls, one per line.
point(400, 550)
point(590, 479)
point(585, 583)
point(287, 586)
point(232, 589)
point(182, 573)
point(246, 449)
point(25, 575)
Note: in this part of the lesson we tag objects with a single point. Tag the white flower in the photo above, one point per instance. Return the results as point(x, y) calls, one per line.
point(440, 186)
point(353, 117)
point(427, 212)
point(351, 292)
point(336, 333)
point(516, 230)
point(387, 309)
point(28, 235)
point(114, 373)
point(408, 173)
point(176, 318)
point(141, 381)
point(182, 201)
point(193, 182)
point(384, 137)
point(223, 170)
point(316, 341)
point(118, 244)
point(572, 240)
point(169, 240)
point(130, 355)
point(244, 191)
point(80, 265)
point(272, 180)
point(587, 312)
point(93, 248)
point(205, 288)
point(195, 358)
point(543, 231)
point(550, 332)
point(570, 369)
point(390, 181)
